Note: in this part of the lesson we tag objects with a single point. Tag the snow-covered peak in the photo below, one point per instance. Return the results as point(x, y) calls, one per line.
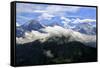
point(57, 31)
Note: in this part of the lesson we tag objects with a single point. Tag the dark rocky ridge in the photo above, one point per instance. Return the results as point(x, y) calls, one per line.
point(33, 53)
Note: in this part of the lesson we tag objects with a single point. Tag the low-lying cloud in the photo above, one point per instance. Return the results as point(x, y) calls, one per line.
point(56, 31)
point(84, 20)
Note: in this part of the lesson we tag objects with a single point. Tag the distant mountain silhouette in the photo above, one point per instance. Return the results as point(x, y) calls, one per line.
point(32, 25)
point(85, 28)
point(19, 31)
point(29, 26)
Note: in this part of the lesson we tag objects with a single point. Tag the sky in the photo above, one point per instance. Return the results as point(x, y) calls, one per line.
point(41, 12)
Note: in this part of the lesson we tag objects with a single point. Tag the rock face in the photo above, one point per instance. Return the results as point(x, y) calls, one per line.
point(19, 31)
point(32, 25)
point(36, 53)
point(85, 28)
point(27, 27)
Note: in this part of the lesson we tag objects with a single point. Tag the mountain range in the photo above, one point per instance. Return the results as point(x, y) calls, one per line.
point(85, 28)
point(38, 44)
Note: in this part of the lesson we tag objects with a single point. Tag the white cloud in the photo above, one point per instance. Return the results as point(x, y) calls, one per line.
point(83, 20)
point(46, 11)
point(28, 8)
point(48, 53)
point(50, 9)
point(58, 10)
point(65, 24)
point(45, 16)
point(75, 21)
point(57, 31)
point(22, 7)
point(53, 9)
point(87, 20)
point(32, 36)
point(65, 19)
point(40, 11)
point(17, 24)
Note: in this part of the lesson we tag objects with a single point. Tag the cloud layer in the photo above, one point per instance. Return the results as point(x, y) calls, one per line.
point(56, 31)
point(84, 20)
point(47, 12)
point(40, 8)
